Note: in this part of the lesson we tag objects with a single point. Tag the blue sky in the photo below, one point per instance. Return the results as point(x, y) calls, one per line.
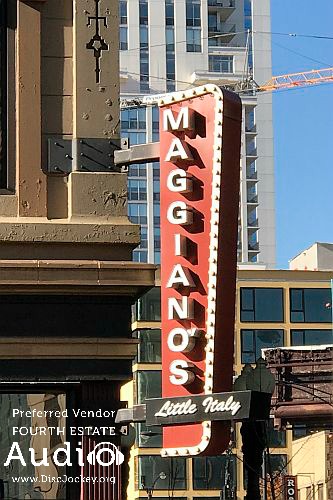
point(303, 128)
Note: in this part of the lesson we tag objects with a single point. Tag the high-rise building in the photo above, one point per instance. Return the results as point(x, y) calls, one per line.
point(171, 45)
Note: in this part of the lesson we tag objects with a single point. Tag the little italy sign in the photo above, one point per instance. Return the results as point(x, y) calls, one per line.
point(224, 406)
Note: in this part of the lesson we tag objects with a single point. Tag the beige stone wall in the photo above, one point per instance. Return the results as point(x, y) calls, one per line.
point(309, 464)
point(63, 90)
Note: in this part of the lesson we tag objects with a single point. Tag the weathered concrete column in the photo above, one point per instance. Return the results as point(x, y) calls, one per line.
point(96, 69)
point(30, 181)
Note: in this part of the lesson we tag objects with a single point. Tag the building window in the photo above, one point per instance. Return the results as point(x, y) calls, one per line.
point(276, 439)
point(276, 463)
point(137, 190)
point(170, 40)
point(212, 22)
point(170, 72)
point(144, 55)
point(123, 11)
point(170, 46)
point(7, 93)
point(137, 213)
point(144, 38)
point(221, 64)
point(156, 123)
point(148, 307)
point(133, 119)
point(310, 305)
point(169, 13)
point(193, 13)
point(123, 42)
point(149, 385)
point(149, 437)
point(193, 40)
point(150, 467)
point(137, 170)
point(209, 472)
point(144, 70)
point(311, 337)
point(261, 304)
point(149, 350)
point(252, 341)
point(193, 26)
point(143, 12)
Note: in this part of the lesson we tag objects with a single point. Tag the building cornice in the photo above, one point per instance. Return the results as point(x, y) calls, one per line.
point(80, 277)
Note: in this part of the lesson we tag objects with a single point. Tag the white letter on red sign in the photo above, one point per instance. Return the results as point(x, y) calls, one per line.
point(185, 340)
point(180, 276)
point(179, 213)
point(183, 121)
point(184, 310)
point(179, 182)
point(181, 375)
point(178, 151)
point(180, 245)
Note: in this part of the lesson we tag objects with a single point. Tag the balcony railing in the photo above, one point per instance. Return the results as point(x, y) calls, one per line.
point(253, 247)
point(251, 175)
point(251, 152)
point(253, 223)
point(251, 129)
point(221, 3)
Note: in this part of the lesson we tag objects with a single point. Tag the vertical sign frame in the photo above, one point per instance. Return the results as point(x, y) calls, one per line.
point(200, 137)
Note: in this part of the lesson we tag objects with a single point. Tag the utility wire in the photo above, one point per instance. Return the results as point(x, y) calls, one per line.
point(210, 37)
point(294, 35)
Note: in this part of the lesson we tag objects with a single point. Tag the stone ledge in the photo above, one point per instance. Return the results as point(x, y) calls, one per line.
point(74, 348)
point(102, 232)
point(65, 276)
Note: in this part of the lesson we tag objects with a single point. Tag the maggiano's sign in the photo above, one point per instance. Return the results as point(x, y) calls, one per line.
point(200, 134)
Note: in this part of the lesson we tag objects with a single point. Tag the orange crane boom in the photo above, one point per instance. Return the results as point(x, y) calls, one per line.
point(291, 80)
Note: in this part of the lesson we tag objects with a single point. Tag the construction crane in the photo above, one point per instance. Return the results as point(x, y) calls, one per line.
point(288, 81)
point(293, 80)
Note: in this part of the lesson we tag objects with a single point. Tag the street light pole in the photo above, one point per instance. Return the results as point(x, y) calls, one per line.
point(260, 380)
point(150, 490)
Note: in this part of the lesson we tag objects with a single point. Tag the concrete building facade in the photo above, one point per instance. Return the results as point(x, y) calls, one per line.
point(175, 45)
point(67, 282)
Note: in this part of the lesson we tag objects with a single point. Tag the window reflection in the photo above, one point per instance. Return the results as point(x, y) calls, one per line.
point(310, 305)
point(261, 304)
point(209, 472)
point(253, 341)
point(149, 350)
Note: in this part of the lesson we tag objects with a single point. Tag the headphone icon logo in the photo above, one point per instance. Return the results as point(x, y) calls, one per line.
point(114, 455)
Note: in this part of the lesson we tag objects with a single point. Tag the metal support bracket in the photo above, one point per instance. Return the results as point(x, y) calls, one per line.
point(59, 157)
point(97, 155)
point(84, 155)
point(140, 153)
point(135, 414)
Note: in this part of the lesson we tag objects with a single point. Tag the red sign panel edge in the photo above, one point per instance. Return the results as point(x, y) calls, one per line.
point(217, 273)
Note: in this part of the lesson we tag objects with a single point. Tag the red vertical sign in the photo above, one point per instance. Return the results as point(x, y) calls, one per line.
point(290, 488)
point(200, 161)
